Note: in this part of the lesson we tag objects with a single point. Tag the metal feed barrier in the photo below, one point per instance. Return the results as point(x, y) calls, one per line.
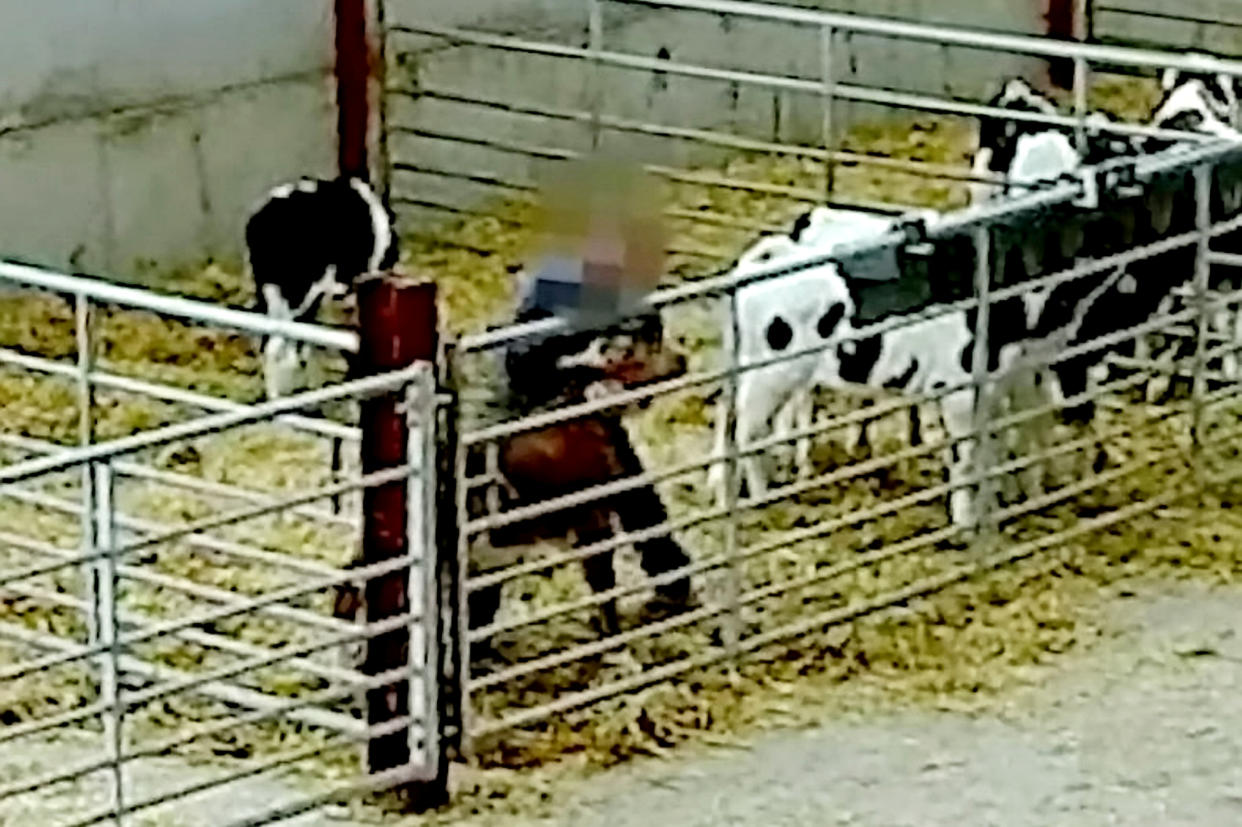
point(859, 535)
point(167, 597)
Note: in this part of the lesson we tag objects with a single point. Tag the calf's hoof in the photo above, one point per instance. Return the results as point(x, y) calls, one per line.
point(607, 623)
point(677, 592)
point(661, 608)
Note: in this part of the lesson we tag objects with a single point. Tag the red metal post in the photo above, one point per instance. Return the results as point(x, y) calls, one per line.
point(1059, 15)
point(397, 324)
point(353, 76)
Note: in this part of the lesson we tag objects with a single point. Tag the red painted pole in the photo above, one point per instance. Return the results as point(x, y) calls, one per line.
point(353, 76)
point(397, 325)
point(1059, 15)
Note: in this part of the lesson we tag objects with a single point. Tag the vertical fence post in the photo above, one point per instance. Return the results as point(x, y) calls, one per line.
point(1081, 75)
point(353, 75)
point(827, 43)
point(106, 592)
point(397, 324)
point(86, 435)
point(733, 621)
point(1059, 17)
point(1203, 268)
point(981, 426)
point(595, 35)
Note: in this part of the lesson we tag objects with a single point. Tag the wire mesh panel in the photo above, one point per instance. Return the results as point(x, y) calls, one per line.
point(172, 640)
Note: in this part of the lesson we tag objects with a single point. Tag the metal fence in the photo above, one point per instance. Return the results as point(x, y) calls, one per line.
point(860, 533)
point(166, 586)
point(166, 560)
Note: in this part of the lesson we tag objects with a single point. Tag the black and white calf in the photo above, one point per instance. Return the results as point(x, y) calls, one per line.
point(777, 316)
point(1221, 92)
point(1024, 151)
point(1204, 106)
point(811, 307)
point(306, 242)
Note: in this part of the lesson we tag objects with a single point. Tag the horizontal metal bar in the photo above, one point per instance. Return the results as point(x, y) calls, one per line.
point(198, 485)
point(491, 180)
point(207, 639)
point(215, 728)
point(923, 169)
point(184, 682)
point(42, 595)
point(107, 292)
point(249, 605)
point(368, 386)
point(27, 729)
point(843, 91)
point(383, 477)
point(247, 770)
point(820, 620)
point(674, 174)
point(375, 781)
point(853, 471)
point(1225, 259)
point(956, 35)
point(216, 545)
point(792, 538)
point(169, 393)
point(222, 490)
point(41, 364)
point(220, 692)
point(946, 225)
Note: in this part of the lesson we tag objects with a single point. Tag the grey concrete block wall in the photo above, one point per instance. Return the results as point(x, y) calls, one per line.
point(134, 136)
point(1211, 25)
point(675, 101)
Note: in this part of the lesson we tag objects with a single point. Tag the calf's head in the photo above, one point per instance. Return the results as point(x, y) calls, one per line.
point(629, 355)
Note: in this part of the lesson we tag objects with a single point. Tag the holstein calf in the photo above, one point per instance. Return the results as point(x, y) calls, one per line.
point(589, 450)
point(1221, 89)
point(776, 316)
point(999, 140)
point(306, 242)
point(1195, 105)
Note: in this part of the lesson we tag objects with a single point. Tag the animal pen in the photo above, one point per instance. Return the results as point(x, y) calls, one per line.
point(170, 546)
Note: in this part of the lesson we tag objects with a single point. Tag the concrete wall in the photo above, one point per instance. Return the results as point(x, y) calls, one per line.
point(1211, 25)
point(135, 135)
point(702, 39)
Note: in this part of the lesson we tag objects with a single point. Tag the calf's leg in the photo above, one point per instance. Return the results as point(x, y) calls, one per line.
point(640, 509)
point(957, 409)
point(595, 527)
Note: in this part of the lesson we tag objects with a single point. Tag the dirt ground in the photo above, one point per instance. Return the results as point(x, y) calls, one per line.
point(1143, 728)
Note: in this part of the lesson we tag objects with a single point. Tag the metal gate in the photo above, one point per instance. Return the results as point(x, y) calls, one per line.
point(169, 646)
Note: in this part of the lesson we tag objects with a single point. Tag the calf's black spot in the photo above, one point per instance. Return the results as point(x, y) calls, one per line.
point(829, 321)
point(779, 334)
point(857, 359)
